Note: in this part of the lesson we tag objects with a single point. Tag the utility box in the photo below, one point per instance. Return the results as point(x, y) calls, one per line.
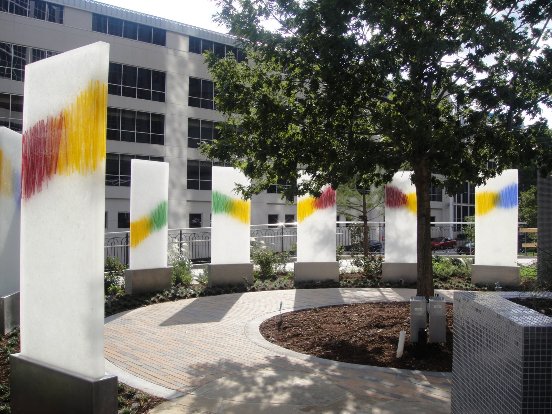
point(418, 316)
point(437, 320)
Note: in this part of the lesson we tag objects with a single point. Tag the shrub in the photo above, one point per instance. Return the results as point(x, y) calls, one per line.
point(447, 267)
point(269, 262)
point(181, 267)
point(114, 279)
point(370, 266)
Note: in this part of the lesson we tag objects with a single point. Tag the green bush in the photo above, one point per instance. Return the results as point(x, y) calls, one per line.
point(181, 268)
point(114, 276)
point(370, 266)
point(446, 267)
point(269, 262)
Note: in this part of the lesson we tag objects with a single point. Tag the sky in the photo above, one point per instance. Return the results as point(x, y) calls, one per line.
point(194, 12)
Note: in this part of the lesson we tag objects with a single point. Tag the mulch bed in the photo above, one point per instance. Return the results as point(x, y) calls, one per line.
point(366, 334)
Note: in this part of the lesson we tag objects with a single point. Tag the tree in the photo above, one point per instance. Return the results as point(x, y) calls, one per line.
point(368, 87)
point(528, 206)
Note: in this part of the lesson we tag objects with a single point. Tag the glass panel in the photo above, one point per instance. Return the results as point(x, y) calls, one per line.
point(144, 78)
point(206, 45)
point(125, 164)
point(144, 33)
point(128, 136)
point(157, 139)
point(112, 164)
point(38, 54)
point(55, 13)
point(195, 45)
point(113, 118)
point(130, 30)
point(193, 170)
point(20, 7)
point(129, 76)
point(158, 96)
point(194, 128)
point(160, 159)
point(128, 119)
point(195, 102)
point(220, 50)
point(207, 104)
point(205, 171)
point(113, 134)
point(16, 106)
point(115, 73)
point(39, 10)
point(158, 80)
point(143, 137)
point(207, 89)
point(5, 60)
point(195, 220)
point(193, 142)
point(115, 26)
point(205, 185)
point(5, 102)
point(158, 124)
point(195, 88)
point(159, 37)
point(123, 220)
point(193, 184)
point(99, 23)
point(206, 131)
point(143, 122)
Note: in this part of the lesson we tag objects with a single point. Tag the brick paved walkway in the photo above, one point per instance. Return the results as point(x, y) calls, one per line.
point(208, 356)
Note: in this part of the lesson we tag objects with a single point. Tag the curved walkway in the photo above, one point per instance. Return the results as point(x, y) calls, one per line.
point(206, 355)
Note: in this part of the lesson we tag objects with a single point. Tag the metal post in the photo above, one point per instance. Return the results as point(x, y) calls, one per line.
point(418, 316)
point(180, 242)
point(437, 320)
point(127, 247)
point(282, 237)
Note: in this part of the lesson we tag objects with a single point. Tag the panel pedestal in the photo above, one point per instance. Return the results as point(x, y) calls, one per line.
point(316, 271)
point(230, 274)
point(9, 312)
point(396, 272)
point(147, 280)
point(485, 275)
point(38, 388)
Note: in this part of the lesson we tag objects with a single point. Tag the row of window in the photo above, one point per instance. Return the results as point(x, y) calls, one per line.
point(135, 126)
point(117, 168)
point(11, 111)
point(128, 29)
point(38, 9)
point(220, 50)
point(135, 82)
point(13, 59)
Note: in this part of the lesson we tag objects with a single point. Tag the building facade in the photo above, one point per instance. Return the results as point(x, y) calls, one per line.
point(160, 106)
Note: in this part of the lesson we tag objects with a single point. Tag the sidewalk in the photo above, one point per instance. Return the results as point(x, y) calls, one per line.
point(206, 355)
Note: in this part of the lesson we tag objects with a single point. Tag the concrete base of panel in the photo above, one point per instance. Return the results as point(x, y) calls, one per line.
point(9, 312)
point(38, 388)
point(396, 272)
point(229, 274)
point(147, 280)
point(316, 271)
point(486, 275)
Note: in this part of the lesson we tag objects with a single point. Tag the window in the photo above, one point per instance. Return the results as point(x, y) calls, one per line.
point(117, 168)
point(277, 188)
point(135, 126)
point(199, 175)
point(273, 220)
point(123, 220)
point(199, 46)
point(202, 93)
point(432, 221)
point(289, 219)
point(436, 193)
point(201, 131)
point(128, 29)
point(39, 54)
point(134, 82)
point(194, 221)
point(13, 59)
point(37, 9)
point(11, 111)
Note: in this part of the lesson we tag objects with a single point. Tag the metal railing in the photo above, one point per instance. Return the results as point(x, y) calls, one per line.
point(195, 243)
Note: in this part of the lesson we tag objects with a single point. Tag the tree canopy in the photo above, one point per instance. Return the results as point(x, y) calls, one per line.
point(368, 87)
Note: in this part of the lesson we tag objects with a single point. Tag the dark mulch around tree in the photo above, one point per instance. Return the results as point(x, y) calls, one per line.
point(542, 305)
point(366, 334)
point(130, 400)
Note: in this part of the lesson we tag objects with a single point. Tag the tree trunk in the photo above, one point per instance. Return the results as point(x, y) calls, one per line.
point(422, 180)
point(365, 225)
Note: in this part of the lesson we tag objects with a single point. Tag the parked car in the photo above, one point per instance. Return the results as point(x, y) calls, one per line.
point(375, 246)
point(442, 243)
point(468, 248)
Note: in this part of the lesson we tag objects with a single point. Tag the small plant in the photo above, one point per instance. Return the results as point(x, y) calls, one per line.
point(114, 279)
point(181, 267)
point(268, 262)
point(370, 266)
